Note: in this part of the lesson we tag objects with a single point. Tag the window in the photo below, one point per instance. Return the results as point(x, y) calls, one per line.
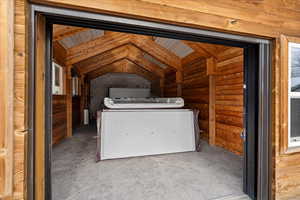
point(57, 79)
point(294, 95)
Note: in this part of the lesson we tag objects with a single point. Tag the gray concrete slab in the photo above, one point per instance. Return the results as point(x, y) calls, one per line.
point(210, 174)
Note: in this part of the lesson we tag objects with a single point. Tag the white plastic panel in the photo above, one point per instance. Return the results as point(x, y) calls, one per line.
point(130, 133)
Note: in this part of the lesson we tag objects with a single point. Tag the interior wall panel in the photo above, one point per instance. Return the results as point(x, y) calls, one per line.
point(229, 100)
point(59, 118)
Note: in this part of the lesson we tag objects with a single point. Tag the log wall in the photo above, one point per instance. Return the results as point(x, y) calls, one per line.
point(268, 18)
point(229, 100)
point(59, 118)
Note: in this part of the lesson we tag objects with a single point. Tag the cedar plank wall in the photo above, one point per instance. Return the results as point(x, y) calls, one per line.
point(229, 100)
point(268, 18)
point(195, 89)
point(59, 118)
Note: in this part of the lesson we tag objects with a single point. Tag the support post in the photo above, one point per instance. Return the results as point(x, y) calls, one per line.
point(82, 97)
point(211, 72)
point(69, 100)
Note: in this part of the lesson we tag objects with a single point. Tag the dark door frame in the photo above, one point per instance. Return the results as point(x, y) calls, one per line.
point(257, 79)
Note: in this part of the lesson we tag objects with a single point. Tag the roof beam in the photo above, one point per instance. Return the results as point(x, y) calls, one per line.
point(136, 56)
point(94, 47)
point(103, 59)
point(123, 66)
point(128, 51)
point(202, 51)
point(60, 31)
point(160, 53)
point(59, 53)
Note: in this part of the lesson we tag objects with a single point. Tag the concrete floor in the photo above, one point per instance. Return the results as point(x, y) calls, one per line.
point(207, 175)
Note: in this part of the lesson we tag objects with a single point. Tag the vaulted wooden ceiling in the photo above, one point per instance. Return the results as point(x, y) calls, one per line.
point(95, 52)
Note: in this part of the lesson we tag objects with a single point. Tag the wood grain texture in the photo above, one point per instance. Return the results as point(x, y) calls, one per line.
point(229, 99)
point(264, 17)
point(195, 91)
point(6, 97)
point(40, 108)
point(60, 31)
point(287, 168)
point(69, 100)
point(59, 118)
point(212, 110)
point(123, 66)
point(59, 54)
point(95, 47)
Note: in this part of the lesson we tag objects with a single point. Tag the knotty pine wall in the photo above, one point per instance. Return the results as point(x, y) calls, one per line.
point(268, 18)
point(59, 118)
point(229, 100)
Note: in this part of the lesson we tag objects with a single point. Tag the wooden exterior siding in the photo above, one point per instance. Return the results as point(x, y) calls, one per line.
point(268, 18)
point(229, 100)
point(59, 118)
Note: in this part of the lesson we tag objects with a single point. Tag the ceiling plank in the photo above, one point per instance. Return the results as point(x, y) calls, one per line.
point(103, 59)
point(160, 53)
point(59, 53)
point(136, 56)
point(206, 49)
point(128, 51)
point(94, 47)
point(198, 48)
point(190, 58)
point(60, 31)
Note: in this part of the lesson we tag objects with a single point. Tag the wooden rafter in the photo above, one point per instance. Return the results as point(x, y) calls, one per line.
point(205, 49)
point(136, 56)
point(123, 66)
point(103, 59)
point(59, 53)
point(112, 40)
point(203, 52)
point(95, 47)
point(128, 51)
point(60, 31)
point(158, 52)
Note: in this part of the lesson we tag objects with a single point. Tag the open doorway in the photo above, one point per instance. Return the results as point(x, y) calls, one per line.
point(249, 118)
point(208, 77)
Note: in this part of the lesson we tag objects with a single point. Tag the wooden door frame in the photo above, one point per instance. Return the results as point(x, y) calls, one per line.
point(262, 90)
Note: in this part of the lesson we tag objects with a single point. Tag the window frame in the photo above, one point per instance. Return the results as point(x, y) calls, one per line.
point(291, 95)
point(60, 87)
point(285, 96)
